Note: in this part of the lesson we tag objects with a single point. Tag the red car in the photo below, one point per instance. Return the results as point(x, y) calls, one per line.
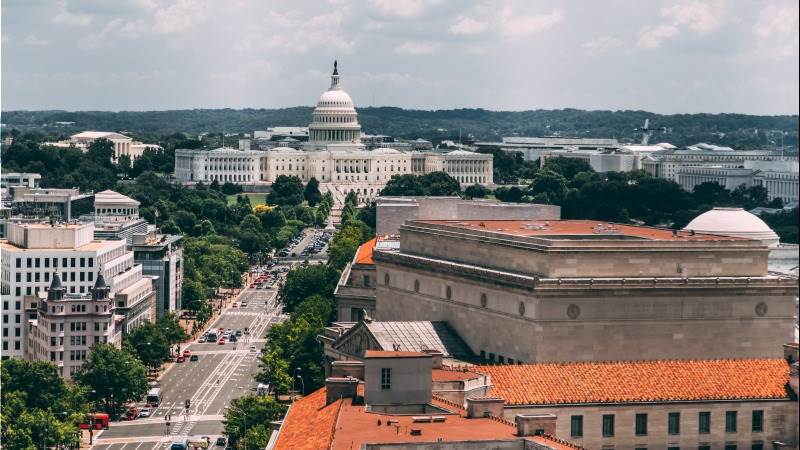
point(131, 414)
point(186, 353)
point(221, 342)
point(180, 359)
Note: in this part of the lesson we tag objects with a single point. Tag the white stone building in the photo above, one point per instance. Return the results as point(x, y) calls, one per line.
point(33, 251)
point(123, 145)
point(334, 155)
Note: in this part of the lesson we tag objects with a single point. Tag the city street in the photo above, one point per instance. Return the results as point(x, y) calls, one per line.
point(222, 373)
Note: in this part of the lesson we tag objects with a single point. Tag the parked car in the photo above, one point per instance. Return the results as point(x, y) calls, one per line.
point(186, 352)
point(131, 414)
point(221, 342)
point(193, 358)
point(180, 359)
point(220, 441)
point(144, 412)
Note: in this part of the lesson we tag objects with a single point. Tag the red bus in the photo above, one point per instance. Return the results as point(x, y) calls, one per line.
point(99, 421)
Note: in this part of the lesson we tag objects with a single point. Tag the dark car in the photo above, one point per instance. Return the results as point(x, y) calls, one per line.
point(220, 441)
point(193, 358)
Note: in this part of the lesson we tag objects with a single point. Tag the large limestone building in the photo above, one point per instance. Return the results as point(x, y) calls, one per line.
point(581, 290)
point(334, 155)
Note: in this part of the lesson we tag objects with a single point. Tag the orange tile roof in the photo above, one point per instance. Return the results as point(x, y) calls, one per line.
point(393, 354)
point(638, 381)
point(309, 424)
point(575, 227)
point(453, 375)
point(364, 253)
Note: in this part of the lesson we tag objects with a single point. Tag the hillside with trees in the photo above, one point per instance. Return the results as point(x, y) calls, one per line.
point(740, 131)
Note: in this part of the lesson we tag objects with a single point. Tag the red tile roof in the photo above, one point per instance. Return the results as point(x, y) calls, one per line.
point(638, 381)
point(544, 228)
point(364, 253)
point(393, 354)
point(309, 424)
point(453, 375)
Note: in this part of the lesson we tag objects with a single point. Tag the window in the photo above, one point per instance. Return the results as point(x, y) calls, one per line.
point(758, 421)
point(673, 448)
point(386, 279)
point(674, 423)
point(366, 280)
point(730, 446)
point(757, 446)
point(641, 424)
point(704, 422)
point(608, 425)
point(19, 263)
point(703, 447)
point(576, 426)
point(386, 378)
point(730, 421)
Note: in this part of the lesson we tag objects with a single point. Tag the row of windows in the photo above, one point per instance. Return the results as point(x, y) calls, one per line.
point(17, 332)
point(17, 346)
point(34, 277)
point(673, 423)
point(65, 262)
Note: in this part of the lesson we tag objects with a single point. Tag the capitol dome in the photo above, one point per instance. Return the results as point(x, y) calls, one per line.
point(335, 119)
point(734, 222)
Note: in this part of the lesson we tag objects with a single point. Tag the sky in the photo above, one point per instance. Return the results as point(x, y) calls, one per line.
point(661, 56)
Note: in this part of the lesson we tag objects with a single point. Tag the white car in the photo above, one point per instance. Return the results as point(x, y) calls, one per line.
point(252, 348)
point(144, 412)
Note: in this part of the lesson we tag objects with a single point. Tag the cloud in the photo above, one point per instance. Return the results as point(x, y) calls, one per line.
point(513, 25)
point(602, 44)
point(417, 48)
point(64, 16)
point(777, 20)
point(35, 41)
point(294, 32)
point(403, 9)
point(652, 37)
point(700, 17)
point(467, 26)
point(179, 16)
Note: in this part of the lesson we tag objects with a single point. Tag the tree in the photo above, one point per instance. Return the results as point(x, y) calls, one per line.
point(230, 189)
point(710, 193)
point(512, 194)
point(124, 164)
point(344, 244)
point(312, 193)
point(403, 185)
point(567, 167)
point(305, 281)
point(149, 343)
point(275, 372)
point(113, 376)
point(286, 190)
point(477, 191)
point(247, 419)
point(439, 184)
point(549, 187)
point(170, 327)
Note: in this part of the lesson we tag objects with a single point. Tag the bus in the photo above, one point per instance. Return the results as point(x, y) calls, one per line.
point(182, 444)
point(154, 396)
point(96, 421)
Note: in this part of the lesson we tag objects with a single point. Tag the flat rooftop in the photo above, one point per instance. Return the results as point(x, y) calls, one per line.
point(576, 229)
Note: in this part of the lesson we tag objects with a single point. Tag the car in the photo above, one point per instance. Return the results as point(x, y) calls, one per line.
point(252, 347)
point(202, 339)
point(233, 339)
point(235, 305)
point(180, 359)
point(238, 332)
point(194, 358)
point(220, 441)
point(131, 414)
point(144, 412)
point(244, 304)
point(186, 353)
point(221, 342)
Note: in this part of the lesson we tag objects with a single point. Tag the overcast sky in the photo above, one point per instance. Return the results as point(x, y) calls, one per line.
point(666, 57)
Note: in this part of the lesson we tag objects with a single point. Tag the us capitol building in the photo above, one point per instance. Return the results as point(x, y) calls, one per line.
point(334, 155)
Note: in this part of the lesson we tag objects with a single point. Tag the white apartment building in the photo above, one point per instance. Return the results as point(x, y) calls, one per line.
point(334, 154)
point(68, 325)
point(33, 251)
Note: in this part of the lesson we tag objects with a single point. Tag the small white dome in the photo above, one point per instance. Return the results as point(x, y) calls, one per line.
point(734, 222)
point(335, 99)
point(384, 151)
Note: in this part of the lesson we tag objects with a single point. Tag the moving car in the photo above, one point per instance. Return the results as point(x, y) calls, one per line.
point(221, 342)
point(193, 358)
point(252, 348)
point(220, 441)
point(131, 414)
point(180, 359)
point(144, 412)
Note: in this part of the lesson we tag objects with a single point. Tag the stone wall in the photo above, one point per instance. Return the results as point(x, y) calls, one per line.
point(780, 424)
point(593, 322)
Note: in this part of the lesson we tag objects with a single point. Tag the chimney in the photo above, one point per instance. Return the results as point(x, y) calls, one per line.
point(485, 406)
point(337, 388)
point(347, 368)
point(436, 358)
point(535, 424)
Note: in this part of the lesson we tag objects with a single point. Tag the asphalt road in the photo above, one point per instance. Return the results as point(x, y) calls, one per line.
point(222, 373)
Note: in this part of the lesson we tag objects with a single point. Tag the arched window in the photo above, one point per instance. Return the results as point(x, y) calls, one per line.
point(448, 292)
point(416, 285)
